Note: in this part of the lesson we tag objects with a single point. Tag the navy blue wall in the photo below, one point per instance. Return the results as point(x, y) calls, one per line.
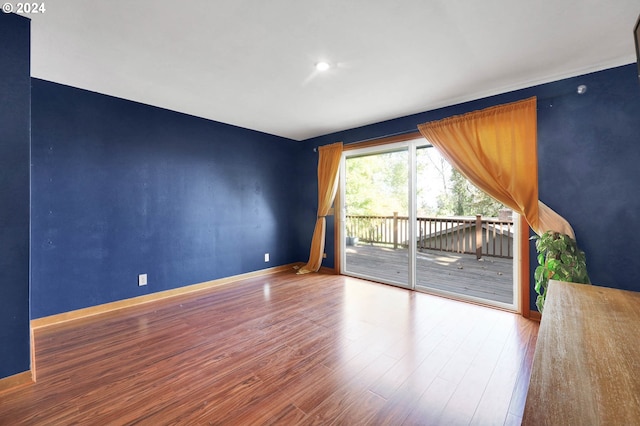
point(589, 163)
point(15, 98)
point(589, 169)
point(121, 188)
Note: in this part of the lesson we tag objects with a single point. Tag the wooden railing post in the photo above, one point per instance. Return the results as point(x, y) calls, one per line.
point(478, 236)
point(395, 230)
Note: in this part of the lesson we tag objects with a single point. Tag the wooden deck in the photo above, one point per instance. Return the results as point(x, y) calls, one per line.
point(490, 278)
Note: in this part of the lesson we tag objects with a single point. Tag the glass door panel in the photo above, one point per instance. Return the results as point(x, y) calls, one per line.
point(464, 238)
point(376, 206)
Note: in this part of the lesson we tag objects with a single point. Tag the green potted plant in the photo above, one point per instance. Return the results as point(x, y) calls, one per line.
point(559, 258)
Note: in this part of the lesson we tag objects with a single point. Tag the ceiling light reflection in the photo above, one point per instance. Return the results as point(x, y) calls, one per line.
point(322, 66)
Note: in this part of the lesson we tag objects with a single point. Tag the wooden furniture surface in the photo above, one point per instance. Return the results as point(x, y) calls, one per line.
point(586, 367)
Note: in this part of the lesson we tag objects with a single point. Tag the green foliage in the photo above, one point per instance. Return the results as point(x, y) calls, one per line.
point(559, 258)
point(465, 199)
point(376, 184)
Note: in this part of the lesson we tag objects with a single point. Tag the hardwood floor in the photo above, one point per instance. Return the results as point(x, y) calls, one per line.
point(284, 349)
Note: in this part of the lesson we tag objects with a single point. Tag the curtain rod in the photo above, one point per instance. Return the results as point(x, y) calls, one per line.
point(404, 132)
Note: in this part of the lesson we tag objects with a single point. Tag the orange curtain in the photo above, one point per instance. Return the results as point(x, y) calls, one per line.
point(328, 167)
point(496, 150)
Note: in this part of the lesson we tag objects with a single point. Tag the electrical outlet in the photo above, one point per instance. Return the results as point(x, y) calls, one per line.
point(142, 279)
point(324, 255)
point(266, 257)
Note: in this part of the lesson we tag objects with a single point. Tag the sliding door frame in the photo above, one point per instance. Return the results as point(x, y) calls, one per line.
point(521, 265)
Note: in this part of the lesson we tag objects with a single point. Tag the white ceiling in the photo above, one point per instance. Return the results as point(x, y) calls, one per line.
point(251, 62)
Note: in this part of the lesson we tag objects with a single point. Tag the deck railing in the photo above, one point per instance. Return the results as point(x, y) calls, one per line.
point(471, 235)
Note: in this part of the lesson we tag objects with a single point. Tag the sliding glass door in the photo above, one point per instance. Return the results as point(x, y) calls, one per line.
point(411, 220)
point(376, 207)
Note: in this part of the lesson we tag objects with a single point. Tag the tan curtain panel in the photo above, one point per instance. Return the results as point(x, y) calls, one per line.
point(496, 150)
point(328, 168)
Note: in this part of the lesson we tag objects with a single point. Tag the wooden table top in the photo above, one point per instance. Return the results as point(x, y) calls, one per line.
point(586, 367)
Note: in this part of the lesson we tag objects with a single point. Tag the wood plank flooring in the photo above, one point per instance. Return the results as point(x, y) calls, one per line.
point(282, 349)
point(490, 278)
